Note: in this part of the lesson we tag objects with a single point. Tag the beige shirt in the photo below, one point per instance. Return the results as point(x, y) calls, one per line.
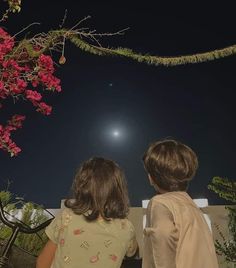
point(176, 234)
point(98, 244)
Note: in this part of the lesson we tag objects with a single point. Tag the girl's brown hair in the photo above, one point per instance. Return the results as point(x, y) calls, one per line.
point(170, 164)
point(99, 189)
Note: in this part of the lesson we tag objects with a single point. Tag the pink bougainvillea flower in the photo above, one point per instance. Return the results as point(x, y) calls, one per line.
point(44, 108)
point(33, 95)
point(19, 71)
point(6, 143)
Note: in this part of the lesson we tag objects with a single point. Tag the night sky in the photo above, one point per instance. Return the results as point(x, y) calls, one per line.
point(115, 107)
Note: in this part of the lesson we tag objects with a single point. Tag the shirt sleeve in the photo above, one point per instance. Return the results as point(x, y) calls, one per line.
point(163, 236)
point(53, 229)
point(132, 245)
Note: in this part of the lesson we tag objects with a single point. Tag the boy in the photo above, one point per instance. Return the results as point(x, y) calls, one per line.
point(176, 234)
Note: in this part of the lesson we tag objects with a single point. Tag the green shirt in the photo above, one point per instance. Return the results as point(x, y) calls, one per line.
point(83, 244)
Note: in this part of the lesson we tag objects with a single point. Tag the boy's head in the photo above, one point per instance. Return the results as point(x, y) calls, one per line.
point(170, 165)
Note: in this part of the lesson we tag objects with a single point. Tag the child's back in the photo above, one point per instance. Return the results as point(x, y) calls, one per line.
point(85, 244)
point(183, 238)
point(176, 233)
point(92, 231)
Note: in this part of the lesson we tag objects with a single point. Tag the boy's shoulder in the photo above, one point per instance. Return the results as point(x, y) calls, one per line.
point(164, 196)
point(172, 197)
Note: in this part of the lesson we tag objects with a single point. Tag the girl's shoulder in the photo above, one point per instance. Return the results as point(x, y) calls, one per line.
point(68, 217)
point(124, 224)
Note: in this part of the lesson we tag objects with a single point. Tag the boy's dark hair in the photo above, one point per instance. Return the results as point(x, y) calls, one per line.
point(99, 189)
point(170, 164)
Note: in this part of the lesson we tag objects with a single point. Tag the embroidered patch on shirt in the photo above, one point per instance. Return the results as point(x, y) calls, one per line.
point(62, 242)
point(113, 257)
point(66, 259)
point(107, 243)
point(78, 231)
point(68, 218)
point(95, 258)
point(85, 245)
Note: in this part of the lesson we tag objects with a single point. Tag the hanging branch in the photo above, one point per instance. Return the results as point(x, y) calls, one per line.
point(83, 40)
point(154, 60)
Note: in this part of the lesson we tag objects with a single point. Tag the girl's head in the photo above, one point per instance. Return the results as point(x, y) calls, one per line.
point(170, 165)
point(99, 189)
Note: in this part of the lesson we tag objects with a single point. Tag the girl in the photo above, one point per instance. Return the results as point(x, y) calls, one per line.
point(92, 231)
point(176, 234)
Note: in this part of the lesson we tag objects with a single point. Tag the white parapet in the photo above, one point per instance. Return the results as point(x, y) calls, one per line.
point(202, 203)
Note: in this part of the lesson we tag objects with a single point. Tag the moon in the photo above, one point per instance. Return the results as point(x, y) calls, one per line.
point(116, 133)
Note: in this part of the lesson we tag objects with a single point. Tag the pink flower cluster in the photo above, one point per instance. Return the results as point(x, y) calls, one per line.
point(6, 43)
point(21, 74)
point(6, 143)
